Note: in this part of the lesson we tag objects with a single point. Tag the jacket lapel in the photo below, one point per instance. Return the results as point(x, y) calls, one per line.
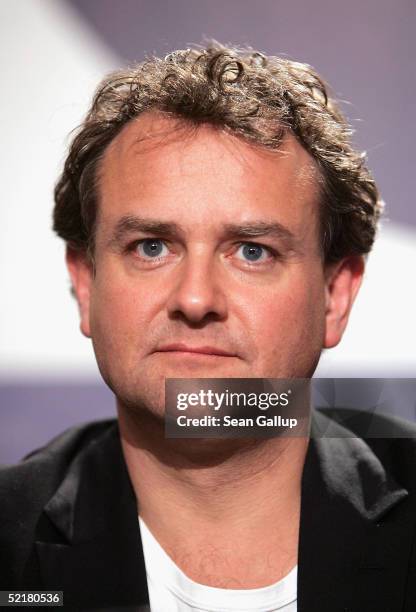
point(353, 550)
point(89, 542)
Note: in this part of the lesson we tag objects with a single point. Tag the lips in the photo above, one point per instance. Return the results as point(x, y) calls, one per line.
point(184, 348)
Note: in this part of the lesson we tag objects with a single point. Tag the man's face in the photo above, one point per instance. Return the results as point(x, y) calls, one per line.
point(208, 262)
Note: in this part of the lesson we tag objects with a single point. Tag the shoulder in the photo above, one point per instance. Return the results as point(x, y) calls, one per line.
point(44, 468)
point(49, 461)
point(27, 486)
point(390, 439)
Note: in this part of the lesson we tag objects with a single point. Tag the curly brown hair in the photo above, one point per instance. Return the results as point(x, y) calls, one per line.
point(255, 97)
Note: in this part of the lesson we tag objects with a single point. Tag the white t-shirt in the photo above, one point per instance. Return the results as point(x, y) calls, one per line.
point(170, 590)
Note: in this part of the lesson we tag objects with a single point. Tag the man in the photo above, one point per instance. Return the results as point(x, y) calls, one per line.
point(216, 220)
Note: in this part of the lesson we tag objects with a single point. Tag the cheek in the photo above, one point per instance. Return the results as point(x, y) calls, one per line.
point(289, 321)
point(118, 315)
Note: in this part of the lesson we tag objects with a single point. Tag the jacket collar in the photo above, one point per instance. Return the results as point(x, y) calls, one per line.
point(95, 487)
point(350, 470)
point(346, 492)
point(351, 555)
point(90, 545)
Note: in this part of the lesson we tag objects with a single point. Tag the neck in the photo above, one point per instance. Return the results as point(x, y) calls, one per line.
point(244, 493)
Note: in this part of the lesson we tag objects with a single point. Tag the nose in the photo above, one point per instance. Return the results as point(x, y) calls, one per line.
point(197, 294)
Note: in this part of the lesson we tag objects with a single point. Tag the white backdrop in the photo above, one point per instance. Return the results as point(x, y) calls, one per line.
point(51, 63)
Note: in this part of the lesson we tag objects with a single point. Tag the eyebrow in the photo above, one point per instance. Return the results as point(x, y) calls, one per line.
point(259, 228)
point(132, 223)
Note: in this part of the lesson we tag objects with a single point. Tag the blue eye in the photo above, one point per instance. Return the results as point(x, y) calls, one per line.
point(151, 247)
point(253, 252)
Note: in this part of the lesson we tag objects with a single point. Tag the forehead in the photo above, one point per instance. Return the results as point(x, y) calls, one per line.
point(206, 175)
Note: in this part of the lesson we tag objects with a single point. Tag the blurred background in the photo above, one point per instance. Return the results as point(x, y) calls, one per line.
point(53, 54)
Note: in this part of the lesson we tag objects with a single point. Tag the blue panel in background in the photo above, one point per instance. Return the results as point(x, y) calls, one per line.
point(32, 414)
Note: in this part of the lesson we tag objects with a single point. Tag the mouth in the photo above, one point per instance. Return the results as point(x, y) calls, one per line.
point(182, 349)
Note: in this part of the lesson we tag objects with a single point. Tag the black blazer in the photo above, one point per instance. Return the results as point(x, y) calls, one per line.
point(68, 521)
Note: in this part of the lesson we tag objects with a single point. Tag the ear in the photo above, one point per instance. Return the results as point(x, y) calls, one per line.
point(81, 272)
point(343, 281)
